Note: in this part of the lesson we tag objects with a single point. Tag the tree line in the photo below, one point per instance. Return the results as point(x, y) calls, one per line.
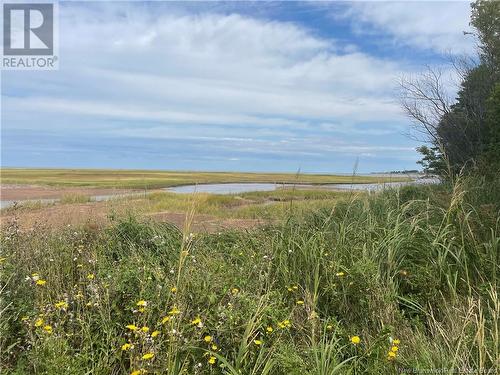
point(462, 133)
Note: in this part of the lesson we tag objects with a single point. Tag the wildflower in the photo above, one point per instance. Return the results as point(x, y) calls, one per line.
point(391, 356)
point(127, 346)
point(234, 291)
point(79, 295)
point(295, 287)
point(290, 289)
point(47, 329)
point(145, 329)
point(395, 342)
point(61, 305)
point(148, 356)
point(90, 276)
point(284, 324)
point(138, 372)
point(174, 311)
point(41, 282)
point(269, 329)
point(257, 342)
point(165, 319)
point(214, 347)
point(142, 303)
point(300, 302)
point(355, 340)
point(196, 322)
point(394, 349)
point(132, 327)
point(39, 322)
point(329, 327)
point(155, 333)
point(24, 318)
point(207, 338)
point(173, 289)
point(340, 274)
point(212, 360)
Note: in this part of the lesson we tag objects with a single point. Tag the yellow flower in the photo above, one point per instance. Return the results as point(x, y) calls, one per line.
point(155, 333)
point(394, 349)
point(269, 329)
point(295, 287)
point(61, 305)
point(284, 324)
point(165, 319)
point(141, 309)
point(24, 318)
point(79, 295)
point(90, 276)
point(290, 289)
point(235, 291)
point(395, 342)
point(39, 322)
point(127, 346)
point(391, 356)
point(340, 274)
point(132, 327)
point(300, 302)
point(207, 338)
point(257, 342)
point(214, 347)
point(173, 289)
point(174, 311)
point(148, 356)
point(196, 321)
point(138, 372)
point(212, 360)
point(329, 327)
point(41, 282)
point(142, 303)
point(145, 329)
point(355, 340)
point(47, 329)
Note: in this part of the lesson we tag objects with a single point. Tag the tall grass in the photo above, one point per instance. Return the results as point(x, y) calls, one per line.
point(414, 268)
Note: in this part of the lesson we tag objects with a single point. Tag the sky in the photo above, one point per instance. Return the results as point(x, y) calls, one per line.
point(229, 86)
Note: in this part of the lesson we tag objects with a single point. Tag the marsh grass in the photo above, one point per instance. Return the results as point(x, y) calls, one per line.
point(71, 198)
point(149, 179)
point(414, 268)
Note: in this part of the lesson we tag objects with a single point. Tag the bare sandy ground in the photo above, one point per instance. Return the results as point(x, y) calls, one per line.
point(20, 192)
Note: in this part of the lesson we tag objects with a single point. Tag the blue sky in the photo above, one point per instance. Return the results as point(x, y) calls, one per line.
point(250, 86)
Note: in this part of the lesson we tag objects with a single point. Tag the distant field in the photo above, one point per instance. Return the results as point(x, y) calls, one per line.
point(142, 179)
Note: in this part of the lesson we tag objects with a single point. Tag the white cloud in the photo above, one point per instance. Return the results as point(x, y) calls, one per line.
point(432, 25)
point(229, 77)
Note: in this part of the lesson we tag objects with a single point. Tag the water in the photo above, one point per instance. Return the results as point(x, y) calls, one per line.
point(237, 188)
point(234, 188)
point(47, 201)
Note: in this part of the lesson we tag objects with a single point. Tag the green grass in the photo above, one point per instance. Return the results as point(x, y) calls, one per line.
point(418, 265)
point(143, 179)
point(255, 205)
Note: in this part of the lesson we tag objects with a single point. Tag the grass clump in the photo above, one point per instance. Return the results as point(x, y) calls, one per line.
point(404, 279)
